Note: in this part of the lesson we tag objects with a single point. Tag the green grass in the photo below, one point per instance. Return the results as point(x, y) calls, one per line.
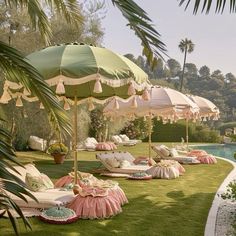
point(176, 207)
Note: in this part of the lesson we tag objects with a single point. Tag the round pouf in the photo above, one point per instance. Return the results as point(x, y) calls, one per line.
point(90, 207)
point(163, 171)
point(176, 164)
point(207, 159)
point(105, 146)
point(58, 215)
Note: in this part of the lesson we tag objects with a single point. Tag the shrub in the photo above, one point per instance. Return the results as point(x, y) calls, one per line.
point(230, 192)
point(57, 148)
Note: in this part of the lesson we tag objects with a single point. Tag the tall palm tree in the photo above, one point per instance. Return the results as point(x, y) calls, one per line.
point(17, 69)
point(185, 46)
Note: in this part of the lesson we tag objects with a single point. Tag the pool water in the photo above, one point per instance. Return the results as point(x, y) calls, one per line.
point(222, 150)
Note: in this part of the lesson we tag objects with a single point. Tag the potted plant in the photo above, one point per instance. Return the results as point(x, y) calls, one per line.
point(58, 151)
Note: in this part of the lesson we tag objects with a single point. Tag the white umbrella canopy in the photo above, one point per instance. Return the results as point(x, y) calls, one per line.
point(207, 109)
point(166, 103)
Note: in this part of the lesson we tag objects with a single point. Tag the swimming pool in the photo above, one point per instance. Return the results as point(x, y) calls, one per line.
point(221, 150)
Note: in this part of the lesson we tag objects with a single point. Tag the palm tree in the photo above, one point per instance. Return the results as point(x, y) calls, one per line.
point(17, 69)
point(185, 46)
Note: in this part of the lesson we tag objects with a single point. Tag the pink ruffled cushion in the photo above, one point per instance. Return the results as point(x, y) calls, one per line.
point(196, 153)
point(95, 207)
point(65, 180)
point(105, 146)
point(175, 164)
point(207, 159)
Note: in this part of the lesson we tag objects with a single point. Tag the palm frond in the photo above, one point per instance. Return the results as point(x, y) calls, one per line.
point(17, 69)
point(206, 5)
point(142, 25)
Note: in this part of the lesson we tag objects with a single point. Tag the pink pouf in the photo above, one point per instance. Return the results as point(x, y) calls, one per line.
point(95, 207)
point(207, 159)
point(113, 190)
point(197, 153)
point(105, 146)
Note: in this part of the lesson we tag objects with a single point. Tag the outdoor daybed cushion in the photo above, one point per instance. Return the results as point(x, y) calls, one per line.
point(47, 198)
point(125, 161)
point(164, 152)
point(36, 143)
point(118, 140)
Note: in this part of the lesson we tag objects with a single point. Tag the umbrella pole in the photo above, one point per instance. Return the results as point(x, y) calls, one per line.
point(75, 140)
point(149, 135)
point(187, 132)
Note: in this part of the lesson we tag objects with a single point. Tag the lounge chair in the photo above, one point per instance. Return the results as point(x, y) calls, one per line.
point(48, 198)
point(123, 139)
point(91, 144)
point(163, 152)
point(120, 162)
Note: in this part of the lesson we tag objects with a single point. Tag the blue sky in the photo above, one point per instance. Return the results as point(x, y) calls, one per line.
point(214, 35)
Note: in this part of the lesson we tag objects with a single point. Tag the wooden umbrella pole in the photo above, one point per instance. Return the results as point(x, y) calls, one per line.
point(149, 135)
point(187, 132)
point(75, 140)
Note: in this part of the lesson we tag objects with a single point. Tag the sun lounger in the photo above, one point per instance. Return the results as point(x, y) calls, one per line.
point(120, 162)
point(166, 153)
point(47, 198)
point(123, 139)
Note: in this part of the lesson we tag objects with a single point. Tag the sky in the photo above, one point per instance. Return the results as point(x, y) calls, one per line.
point(214, 35)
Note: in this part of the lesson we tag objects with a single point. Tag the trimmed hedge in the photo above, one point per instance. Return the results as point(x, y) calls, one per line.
point(174, 132)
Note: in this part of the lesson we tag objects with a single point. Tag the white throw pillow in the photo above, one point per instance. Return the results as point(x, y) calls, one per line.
point(116, 139)
point(174, 152)
point(124, 164)
point(164, 150)
point(112, 162)
point(124, 137)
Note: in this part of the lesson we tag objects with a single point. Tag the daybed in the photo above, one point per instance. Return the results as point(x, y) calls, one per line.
point(91, 144)
point(46, 198)
point(120, 162)
point(123, 139)
point(166, 153)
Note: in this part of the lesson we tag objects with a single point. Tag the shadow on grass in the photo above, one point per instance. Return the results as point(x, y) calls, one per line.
point(179, 215)
point(56, 171)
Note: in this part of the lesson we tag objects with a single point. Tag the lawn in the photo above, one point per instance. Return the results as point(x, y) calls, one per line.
point(176, 207)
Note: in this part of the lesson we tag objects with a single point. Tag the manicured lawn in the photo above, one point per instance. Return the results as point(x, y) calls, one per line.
point(176, 207)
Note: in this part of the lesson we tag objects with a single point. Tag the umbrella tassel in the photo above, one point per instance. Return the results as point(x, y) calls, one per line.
point(97, 86)
point(91, 106)
point(26, 92)
point(66, 105)
point(6, 97)
point(116, 105)
point(19, 102)
point(146, 95)
point(131, 90)
point(60, 89)
point(134, 103)
point(41, 106)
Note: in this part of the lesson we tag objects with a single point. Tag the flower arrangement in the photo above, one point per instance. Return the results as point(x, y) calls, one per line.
point(57, 148)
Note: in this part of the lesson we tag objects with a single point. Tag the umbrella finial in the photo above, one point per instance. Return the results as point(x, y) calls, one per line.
point(97, 85)
point(60, 87)
point(131, 90)
point(146, 95)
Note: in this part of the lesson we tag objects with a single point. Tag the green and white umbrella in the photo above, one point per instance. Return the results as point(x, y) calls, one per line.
point(80, 73)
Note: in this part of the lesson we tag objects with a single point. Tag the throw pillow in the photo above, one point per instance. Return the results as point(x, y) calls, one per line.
point(174, 152)
point(164, 151)
point(47, 181)
point(35, 183)
point(124, 164)
point(124, 137)
point(112, 162)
